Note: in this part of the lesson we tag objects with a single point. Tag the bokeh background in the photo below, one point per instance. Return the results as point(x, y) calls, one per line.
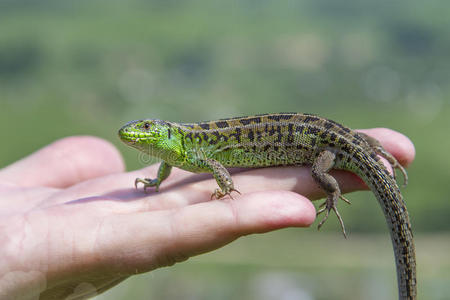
point(86, 67)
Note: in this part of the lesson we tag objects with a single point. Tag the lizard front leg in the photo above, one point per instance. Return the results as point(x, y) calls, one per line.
point(323, 163)
point(163, 173)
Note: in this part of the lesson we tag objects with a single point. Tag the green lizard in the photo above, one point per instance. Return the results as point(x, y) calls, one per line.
point(278, 140)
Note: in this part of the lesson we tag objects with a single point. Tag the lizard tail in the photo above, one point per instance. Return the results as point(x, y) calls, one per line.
point(391, 201)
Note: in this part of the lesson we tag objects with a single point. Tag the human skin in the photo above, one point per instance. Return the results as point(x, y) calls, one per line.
point(72, 223)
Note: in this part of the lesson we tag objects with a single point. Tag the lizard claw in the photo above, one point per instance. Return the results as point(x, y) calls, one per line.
point(405, 175)
point(147, 182)
point(233, 190)
point(136, 181)
point(345, 200)
point(327, 214)
point(218, 194)
point(326, 207)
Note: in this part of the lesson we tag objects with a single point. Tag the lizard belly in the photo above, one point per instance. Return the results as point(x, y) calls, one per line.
point(265, 156)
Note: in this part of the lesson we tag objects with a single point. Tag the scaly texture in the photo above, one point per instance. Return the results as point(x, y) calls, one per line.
point(277, 140)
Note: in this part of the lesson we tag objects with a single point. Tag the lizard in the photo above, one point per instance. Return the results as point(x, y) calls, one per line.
point(282, 139)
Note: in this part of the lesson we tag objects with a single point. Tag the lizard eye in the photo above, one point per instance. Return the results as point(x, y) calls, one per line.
point(146, 125)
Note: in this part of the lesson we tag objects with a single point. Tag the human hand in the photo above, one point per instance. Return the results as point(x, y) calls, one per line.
point(72, 224)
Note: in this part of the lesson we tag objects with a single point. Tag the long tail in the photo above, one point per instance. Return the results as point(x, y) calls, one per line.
point(388, 194)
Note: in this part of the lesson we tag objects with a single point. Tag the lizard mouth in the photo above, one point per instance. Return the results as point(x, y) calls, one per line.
point(131, 137)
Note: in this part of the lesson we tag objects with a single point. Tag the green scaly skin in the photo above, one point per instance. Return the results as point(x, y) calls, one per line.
point(280, 140)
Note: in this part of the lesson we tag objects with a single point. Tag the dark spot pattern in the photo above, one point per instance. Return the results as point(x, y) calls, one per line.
point(237, 134)
point(222, 124)
point(290, 136)
point(333, 136)
point(279, 117)
point(279, 135)
point(310, 118)
point(246, 121)
point(251, 135)
point(312, 130)
point(204, 126)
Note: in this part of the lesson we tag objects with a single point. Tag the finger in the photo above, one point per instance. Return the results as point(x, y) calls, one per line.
point(85, 288)
point(65, 162)
point(181, 189)
point(120, 186)
point(175, 235)
point(296, 179)
point(18, 200)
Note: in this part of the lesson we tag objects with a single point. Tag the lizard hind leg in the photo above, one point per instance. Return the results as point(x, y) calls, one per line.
point(323, 163)
point(376, 146)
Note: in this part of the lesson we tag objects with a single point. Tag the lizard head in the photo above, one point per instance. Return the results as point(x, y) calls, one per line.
point(147, 135)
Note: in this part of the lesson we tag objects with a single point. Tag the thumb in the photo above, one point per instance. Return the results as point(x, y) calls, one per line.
point(64, 163)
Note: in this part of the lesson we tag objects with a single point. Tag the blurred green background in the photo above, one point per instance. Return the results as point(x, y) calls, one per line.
point(86, 67)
